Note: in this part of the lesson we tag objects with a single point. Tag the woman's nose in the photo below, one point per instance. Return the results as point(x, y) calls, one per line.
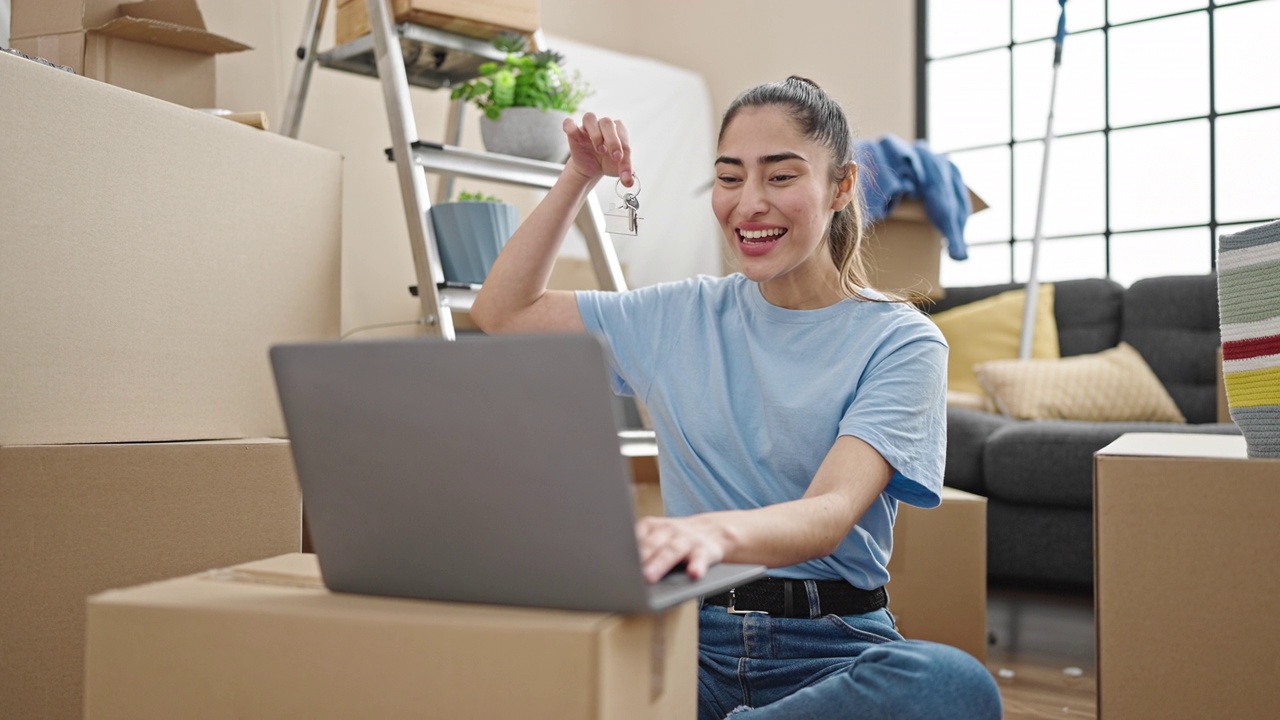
point(753, 200)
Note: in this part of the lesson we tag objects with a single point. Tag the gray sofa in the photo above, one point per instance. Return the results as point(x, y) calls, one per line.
point(1038, 475)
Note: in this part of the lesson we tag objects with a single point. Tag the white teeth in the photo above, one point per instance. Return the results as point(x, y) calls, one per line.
point(757, 234)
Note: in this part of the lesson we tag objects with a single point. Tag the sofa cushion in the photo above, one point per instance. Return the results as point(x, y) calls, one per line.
point(1113, 385)
point(967, 433)
point(1051, 463)
point(1173, 322)
point(1051, 547)
point(1088, 314)
point(990, 329)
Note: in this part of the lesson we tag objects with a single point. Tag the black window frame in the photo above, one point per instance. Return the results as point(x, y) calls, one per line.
point(922, 117)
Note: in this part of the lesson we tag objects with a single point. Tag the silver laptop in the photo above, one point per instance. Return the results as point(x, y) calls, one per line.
point(484, 470)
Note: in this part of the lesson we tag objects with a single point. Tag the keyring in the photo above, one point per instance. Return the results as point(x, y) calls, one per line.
point(624, 219)
point(625, 193)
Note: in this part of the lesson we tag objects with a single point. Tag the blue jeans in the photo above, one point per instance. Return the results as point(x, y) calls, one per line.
point(833, 667)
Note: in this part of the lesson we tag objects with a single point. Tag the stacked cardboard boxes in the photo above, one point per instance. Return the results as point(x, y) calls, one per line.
point(159, 47)
point(149, 256)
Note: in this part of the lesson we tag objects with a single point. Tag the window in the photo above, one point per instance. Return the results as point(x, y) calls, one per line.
point(1166, 130)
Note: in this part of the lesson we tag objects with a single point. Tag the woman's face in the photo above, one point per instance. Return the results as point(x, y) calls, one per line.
point(774, 198)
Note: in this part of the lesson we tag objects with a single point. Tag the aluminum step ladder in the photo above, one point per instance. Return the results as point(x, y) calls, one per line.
point(400, 55)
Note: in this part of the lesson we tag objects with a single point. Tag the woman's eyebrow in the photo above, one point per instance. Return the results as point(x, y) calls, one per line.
point(779, 157)
point(764, 159)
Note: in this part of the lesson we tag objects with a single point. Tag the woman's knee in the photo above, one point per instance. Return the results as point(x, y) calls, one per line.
point(936, 680)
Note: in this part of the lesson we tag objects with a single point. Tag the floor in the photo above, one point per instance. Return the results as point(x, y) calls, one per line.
point(1043, 652)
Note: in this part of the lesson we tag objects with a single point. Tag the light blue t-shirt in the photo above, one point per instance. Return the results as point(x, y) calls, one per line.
point(747, 398)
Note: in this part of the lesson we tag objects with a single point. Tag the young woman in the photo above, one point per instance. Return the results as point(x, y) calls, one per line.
point(794, 407)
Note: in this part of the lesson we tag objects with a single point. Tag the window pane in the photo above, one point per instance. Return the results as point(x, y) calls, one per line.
point(969, 101)
point(1035, 20)
point(1166, 252)
point(1064, 259)
point(1245, 43)
point(1126, 10)
point(1248, 171)
point(1160, 176)
point(1075, 201)
point(1160, 70)
point(1079, 105)
point(957, 26)
point(986, 172)
point(987, 265)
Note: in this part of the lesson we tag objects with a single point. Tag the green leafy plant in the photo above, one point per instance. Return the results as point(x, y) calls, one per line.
point(465, 196)
point(524, 79)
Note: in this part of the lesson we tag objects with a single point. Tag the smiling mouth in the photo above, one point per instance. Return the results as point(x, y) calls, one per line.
point(760, 237)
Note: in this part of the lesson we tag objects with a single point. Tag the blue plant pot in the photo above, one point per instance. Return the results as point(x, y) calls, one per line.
point(470, 235)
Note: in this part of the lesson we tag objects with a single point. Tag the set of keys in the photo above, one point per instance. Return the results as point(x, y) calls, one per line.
point(624, 219)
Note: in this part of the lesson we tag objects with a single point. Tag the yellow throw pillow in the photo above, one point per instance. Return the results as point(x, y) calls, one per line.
point(990, 329)
point(1113, 385)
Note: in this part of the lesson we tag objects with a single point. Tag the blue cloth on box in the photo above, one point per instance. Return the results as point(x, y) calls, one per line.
point(894, 169)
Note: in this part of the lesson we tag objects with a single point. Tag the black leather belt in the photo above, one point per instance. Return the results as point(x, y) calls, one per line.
point(790, 598)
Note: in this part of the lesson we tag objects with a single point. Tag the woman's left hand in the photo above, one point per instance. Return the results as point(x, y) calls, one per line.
point(698, 541)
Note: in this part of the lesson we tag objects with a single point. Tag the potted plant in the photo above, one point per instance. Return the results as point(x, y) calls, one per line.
point(525, 100)
point(470, 233)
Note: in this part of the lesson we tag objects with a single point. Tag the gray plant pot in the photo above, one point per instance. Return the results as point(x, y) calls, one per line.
point(527, 132)
point(470, 235)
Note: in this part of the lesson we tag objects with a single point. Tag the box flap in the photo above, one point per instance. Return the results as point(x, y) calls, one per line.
point(178, 12)
point(913, 210)
point(291, 570)
point(167, 34)
point(1182, 445)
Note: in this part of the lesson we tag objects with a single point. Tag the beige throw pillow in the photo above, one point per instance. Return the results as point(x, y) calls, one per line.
point(1113, 385)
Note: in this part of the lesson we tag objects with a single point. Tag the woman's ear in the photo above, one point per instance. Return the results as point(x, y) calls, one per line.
point(844, 188)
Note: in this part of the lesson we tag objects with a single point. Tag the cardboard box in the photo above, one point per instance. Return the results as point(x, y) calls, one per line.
point(266, 640)
point(149, 257)
point(642, 454)
point(79, 519)
point(1186, 578)
point(938, 572)
point(158, 48)
point(904, 251)
point(475, 18)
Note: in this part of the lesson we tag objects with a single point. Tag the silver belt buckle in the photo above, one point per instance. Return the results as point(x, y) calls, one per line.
point(733, 599)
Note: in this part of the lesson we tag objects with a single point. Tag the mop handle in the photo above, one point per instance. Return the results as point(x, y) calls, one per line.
point(1033, 279)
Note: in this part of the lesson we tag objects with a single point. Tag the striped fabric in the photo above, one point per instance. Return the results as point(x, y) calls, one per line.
point(1249, 307)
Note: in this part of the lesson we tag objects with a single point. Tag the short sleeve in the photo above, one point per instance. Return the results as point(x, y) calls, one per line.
point(630, 325)
point(899, 408)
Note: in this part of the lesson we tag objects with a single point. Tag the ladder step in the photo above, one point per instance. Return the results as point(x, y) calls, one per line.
point(432, 58)
point(450, 160)
point(455, 296)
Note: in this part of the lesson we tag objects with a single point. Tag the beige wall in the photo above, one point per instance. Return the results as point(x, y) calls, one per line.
point(862, 51)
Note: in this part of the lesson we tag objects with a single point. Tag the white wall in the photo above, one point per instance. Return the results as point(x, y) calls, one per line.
point(4, 23)
point(862, 51)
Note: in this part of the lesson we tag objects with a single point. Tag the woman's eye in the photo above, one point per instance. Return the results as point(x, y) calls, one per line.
point(782, 178)
point(728, 179)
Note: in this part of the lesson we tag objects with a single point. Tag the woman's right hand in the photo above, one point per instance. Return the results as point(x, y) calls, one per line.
point(599, 147)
